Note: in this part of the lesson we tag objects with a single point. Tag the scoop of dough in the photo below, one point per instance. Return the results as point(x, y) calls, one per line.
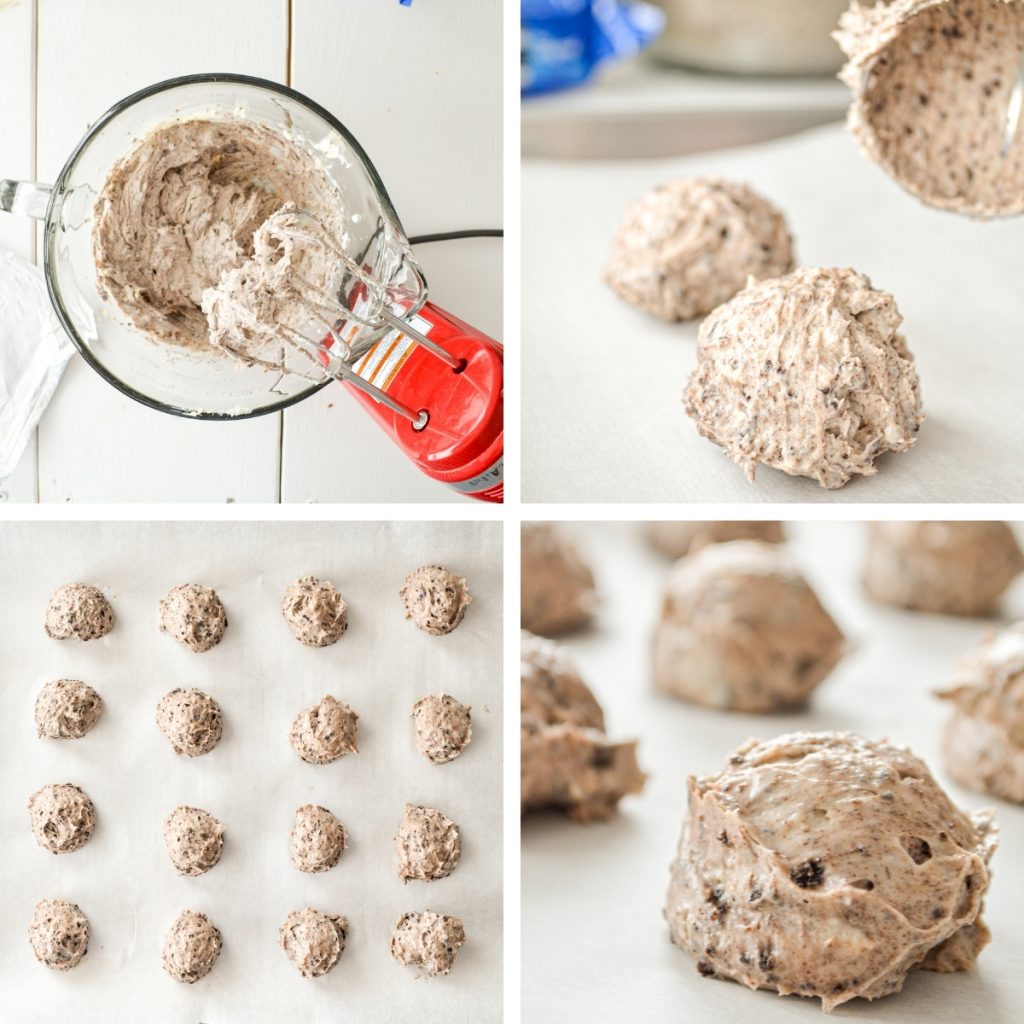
point(191, 720)
point(313, 941)
point(427, 940)
point(59, 934)
point(567, 761)
point(428, 844)
point(318, 839)
point(687, 246)
point(443, 727)
point(63, 817)
point(932, 84)
point(325, 732)
point(556, 585)
point(191, 947)
point(194, 839)
point(67, 709)
point(678, 539)
point(315, 611)
point(78, 611)
point(829, 866)
point(435, 599)
point(984, 740)
point(956, 568)
point(806, 374)
point(741, 629)
point(194, 616)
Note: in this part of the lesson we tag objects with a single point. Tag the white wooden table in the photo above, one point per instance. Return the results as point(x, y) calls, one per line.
point(422, 81)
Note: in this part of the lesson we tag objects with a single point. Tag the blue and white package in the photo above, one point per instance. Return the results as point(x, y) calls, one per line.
point(563, 41)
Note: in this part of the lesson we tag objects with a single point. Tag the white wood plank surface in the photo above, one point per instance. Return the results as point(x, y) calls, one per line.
point(17, 160)
point(94, 444)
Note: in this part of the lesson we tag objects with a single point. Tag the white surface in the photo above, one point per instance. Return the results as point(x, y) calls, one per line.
point(595, 946)
point(252, 781)
point(603, 382)
point(421, 90)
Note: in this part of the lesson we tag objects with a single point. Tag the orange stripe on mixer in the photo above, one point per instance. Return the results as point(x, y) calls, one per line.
point(383, 360)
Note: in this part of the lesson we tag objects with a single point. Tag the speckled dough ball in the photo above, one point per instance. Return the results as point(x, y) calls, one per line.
point(688, 246)
point(556, 585)
point(827, 866)
point(806, 374)
point(63, 817)
point(194, 839)
point(741, 630)
point(933, 85)
point(194, 616)
point(444, 727)
point(983, 744)
point(191, 947)
point(955, 568)
point(678, 539)
point(435, 599)
point(78, 611)
point(427, 940)
point(313, 941)
point(59, 934)
point(191, 720)
point(428, 844)
point(315, 611)
point(318, 839)
point(325, 732)
point(67, 709)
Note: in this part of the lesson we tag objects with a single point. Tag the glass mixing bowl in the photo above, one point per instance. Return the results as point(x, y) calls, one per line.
point(207, 385)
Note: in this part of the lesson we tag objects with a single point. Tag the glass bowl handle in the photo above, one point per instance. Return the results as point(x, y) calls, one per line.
point(26, 198)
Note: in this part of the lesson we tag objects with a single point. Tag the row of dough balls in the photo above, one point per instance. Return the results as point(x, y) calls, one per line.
point(312, 940)
point(435, 600)
point(193, 722)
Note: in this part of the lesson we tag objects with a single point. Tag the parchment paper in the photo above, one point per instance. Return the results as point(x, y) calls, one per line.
point(595, 944)
point(252, 781)
point(603, 382)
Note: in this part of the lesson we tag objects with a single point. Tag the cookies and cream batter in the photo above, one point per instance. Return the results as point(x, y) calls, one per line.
point(428, 844)
point(741, 630)
point(557, 591)
point(828, 866)
point(954, 568)
point(443, 726)
point(678, 539)
point(313, 941)
point(194, 840)
point(687, 246)
point(78, 611)
point(566, 760)
point(428, 940)
point(315, 611)
point(318, 839)
point(435, 599)
point(191, 720)
point(325, 732)
point(59, 934)
point(180, 236)
point(191, 947)
point(194, 616)
point(807, 374)
point(67, 709)
point(63, 817)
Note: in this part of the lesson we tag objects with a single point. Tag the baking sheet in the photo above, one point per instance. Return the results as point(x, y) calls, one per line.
point(602, 382)
point(595, 946)
point(252, 781)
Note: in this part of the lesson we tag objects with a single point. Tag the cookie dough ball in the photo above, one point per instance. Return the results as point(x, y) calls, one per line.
point(952, 568)
point(318, 839)
point(315, 611)
point(427, 940)
point(63, 817)
point(983, 744)
point(195, 840)
point(933, 82)
point(194, 616)
point(191, 947)
point(443, 727)
point(59, 934)
point(687, 246)
point(567, 761)
point(67, 709)
point(428, 844)
point(435, 599)
point(325, 732)
point(817, 842)
point(78, 611)
point(313, 941)
point(191, 720)
point(556, 585)
point(740, 629)
point(806, 374)
point(678, 539)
